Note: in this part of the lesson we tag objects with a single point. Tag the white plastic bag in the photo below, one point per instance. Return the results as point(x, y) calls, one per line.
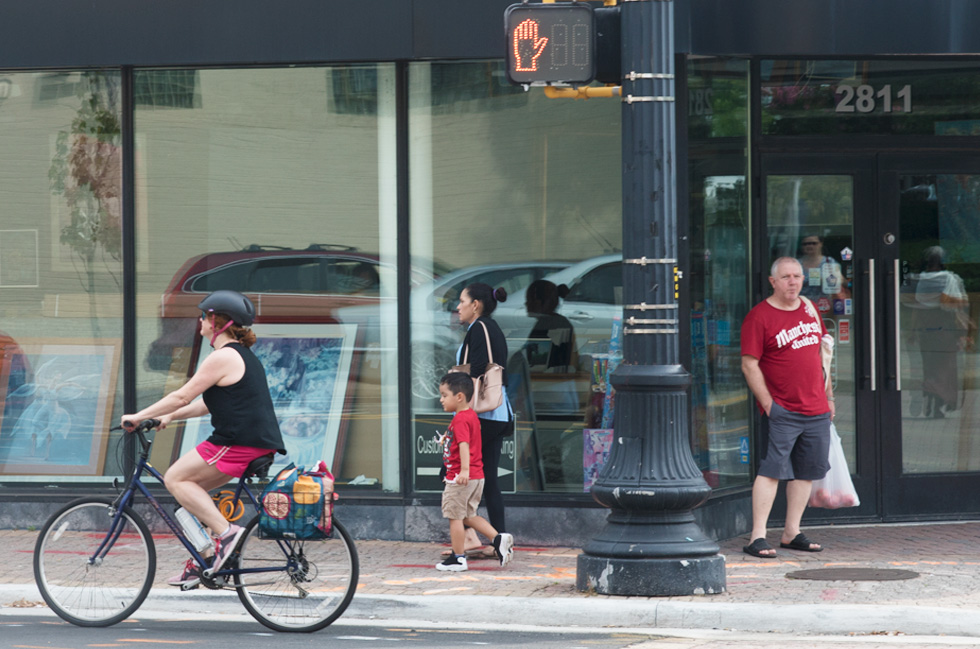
point(835, 489)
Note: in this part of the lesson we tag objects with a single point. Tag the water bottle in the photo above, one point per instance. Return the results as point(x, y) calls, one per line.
point(194, 531)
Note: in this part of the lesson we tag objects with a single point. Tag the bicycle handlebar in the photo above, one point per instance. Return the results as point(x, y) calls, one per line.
point(142, 427)
point(139, 430)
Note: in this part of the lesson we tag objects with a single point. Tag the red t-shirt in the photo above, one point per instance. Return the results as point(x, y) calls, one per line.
point(787, 344)
point(465, 427)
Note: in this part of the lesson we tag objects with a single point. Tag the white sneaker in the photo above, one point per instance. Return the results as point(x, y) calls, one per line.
point(503, 546)
point(453, 564)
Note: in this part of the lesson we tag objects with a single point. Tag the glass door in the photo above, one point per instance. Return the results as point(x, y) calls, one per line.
point(930, 212)
point(819, 210)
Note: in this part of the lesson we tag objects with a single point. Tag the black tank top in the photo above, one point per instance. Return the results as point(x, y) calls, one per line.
point(242, 413)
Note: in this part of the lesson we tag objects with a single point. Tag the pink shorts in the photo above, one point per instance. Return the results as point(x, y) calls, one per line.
point(230, 460)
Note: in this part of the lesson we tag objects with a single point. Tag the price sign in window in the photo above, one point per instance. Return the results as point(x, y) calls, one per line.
point(550, 43)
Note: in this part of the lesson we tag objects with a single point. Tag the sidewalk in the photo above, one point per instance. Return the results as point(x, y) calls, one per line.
point(398, 581)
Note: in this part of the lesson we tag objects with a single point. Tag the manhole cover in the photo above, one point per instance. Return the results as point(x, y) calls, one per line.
point(853, 574)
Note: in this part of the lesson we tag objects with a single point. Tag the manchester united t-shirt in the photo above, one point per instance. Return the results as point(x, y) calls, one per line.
point(787, 344)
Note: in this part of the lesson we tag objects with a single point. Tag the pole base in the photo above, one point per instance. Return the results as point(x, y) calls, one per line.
point(651, 577)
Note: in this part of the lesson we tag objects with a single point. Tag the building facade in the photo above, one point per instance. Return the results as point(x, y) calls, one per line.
point(353, 168)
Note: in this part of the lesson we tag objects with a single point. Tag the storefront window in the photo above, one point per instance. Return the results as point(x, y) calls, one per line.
point(509, 187)
point(719, 216)
point(60, 275)
point(877, 97)
point(279, 183)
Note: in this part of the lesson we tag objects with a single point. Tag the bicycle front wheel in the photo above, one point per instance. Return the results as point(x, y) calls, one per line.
point(92, 569)
point(298, 585)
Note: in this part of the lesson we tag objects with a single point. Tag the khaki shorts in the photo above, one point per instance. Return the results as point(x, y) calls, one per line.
point(461, 501)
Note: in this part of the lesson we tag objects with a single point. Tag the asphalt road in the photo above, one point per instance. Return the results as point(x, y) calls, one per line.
point(34, 631)
point(38, 628)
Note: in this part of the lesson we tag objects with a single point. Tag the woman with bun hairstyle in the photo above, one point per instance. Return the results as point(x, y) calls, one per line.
point(550, 348)
point(541, 300)
point(477, 303)
point(235, 393)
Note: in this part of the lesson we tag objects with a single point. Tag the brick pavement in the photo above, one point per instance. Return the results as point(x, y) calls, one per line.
point(944, 554)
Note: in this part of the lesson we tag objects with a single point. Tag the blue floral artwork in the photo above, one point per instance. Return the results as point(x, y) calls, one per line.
point(54, 415)
point(308, 369)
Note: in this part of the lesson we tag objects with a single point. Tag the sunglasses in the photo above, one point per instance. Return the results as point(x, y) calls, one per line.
point(810, 243)
point(205, 314)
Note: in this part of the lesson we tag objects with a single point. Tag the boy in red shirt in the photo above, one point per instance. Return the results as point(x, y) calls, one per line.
point(462, 455)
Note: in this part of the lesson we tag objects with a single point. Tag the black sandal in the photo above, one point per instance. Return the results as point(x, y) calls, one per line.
point(802, 544)
point(757, 547)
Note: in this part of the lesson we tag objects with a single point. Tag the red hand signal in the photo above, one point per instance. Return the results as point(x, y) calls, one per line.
point(527, 46)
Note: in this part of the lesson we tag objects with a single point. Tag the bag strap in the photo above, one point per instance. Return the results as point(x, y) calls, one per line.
point(824, 365)
point(486, 333)
point(813, 310)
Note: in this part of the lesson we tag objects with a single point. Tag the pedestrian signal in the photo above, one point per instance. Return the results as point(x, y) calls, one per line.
point(550, 43)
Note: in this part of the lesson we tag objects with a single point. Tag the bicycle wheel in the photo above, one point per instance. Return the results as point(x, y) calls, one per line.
point(99, 592)
point(310, 583)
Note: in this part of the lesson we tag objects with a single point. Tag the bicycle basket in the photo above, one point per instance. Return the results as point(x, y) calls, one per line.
point(298, 504)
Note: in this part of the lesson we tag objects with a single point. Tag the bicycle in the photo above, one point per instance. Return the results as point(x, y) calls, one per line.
point(95, 560)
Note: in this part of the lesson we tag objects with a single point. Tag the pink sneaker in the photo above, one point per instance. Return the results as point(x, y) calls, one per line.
point(189, 578)
point(224, 546)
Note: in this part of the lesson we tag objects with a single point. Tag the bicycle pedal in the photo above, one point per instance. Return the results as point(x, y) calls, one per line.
point(190, 586)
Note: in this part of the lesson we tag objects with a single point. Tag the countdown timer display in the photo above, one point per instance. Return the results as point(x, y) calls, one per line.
point(550, 43)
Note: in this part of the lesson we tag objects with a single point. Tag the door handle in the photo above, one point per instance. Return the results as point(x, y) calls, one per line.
point(873, 324)
point(581, 315)
point(898, 327)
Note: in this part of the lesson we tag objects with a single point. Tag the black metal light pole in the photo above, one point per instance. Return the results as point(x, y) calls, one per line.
point(651, 544)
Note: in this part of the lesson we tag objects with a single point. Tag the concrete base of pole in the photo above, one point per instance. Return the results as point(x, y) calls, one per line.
point(651, 577)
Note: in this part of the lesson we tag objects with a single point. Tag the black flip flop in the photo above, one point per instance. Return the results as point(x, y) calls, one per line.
point(756, 547)
point(801, 544)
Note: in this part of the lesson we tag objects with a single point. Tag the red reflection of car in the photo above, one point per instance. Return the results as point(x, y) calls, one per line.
point(15, 368)
point(286, 285)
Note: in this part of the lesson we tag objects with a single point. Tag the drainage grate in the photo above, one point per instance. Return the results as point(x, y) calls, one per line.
point(853, 574)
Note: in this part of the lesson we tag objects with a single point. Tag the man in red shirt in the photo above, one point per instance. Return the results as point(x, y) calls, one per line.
point(781, 362)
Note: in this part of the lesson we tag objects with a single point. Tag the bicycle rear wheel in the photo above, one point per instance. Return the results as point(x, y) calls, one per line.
point(308, 585)
point(86, 589)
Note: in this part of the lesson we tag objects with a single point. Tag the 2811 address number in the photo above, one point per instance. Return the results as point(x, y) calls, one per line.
point(866, 99)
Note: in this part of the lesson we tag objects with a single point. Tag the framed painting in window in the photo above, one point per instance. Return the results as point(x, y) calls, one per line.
point(309, 368)
point(58, 396)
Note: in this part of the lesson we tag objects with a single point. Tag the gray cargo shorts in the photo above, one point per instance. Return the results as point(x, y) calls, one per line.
point(798, 445)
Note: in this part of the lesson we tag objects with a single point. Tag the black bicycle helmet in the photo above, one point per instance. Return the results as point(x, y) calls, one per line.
point(231, 304)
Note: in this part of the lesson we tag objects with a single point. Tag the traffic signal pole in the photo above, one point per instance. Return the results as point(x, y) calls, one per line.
point(650, 544)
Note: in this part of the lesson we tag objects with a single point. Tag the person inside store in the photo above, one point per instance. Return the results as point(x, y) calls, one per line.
point(558, 354)
point(781, 361)
point(477, 303)
point(550, 347)
point(235, 392)
point(821, 273)
point(941, 325)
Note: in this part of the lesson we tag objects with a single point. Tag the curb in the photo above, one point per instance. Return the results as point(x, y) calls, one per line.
point(633, 613)
point(643, 613)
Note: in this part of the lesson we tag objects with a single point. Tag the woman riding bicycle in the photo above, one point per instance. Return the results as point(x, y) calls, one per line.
point(236, 395)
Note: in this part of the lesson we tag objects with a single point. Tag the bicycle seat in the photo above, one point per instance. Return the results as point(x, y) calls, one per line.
point(259, 467)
